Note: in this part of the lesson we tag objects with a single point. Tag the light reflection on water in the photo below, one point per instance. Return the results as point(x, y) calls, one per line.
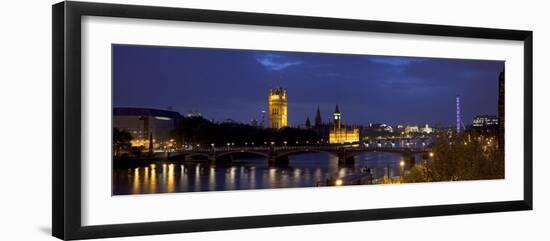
point(304, 170)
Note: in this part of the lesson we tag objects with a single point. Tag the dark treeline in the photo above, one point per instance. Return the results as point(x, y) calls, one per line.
point(197, 130)
point(121, 141)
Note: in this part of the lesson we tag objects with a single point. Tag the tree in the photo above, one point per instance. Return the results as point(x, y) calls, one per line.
point(418, 173)
point(460, 157)
point(136, 151)
point(121, 141)
point(388, 180)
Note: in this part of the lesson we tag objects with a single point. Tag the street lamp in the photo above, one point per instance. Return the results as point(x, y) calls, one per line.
point(402, 163)
point(284, 142)
point(431, 154)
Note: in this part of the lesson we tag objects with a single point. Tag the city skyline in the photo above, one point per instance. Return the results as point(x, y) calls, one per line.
point(222, 83)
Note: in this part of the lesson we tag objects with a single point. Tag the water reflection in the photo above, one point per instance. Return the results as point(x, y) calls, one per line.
point(304, 170)
point(136, 181)
point(170, 186)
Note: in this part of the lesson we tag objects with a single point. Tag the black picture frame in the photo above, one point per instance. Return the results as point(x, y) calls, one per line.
point(66, 159)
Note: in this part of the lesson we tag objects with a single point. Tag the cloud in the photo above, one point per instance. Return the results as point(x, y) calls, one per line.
point(402, 81)
point(394, 61)
point(275, 61)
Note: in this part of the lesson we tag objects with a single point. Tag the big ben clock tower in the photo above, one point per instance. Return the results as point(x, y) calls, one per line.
point(277, 103)
point(337, 118)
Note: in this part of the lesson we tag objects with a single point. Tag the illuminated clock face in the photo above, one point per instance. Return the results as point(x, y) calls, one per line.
point(336, 117)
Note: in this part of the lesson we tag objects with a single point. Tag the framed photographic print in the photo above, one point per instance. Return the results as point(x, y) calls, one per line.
point(170, 120)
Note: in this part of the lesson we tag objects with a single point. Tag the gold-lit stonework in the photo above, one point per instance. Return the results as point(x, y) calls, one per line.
point(341, 134)
point(277, 102)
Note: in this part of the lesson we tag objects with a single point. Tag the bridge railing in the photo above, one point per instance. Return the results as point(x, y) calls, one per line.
point(290, 148)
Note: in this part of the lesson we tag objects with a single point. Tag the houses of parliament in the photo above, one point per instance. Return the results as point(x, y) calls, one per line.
point(336, 131)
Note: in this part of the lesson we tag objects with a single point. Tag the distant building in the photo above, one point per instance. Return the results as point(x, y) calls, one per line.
point(400, 129)
point(318, 119)
point(277, 105)
point(381, 127)
point(146, 125)
point(262, 122)
point(229, 121)
point(485, 123)
point(426, 129)
point(322, 129)
point(254, 123)
point(193, 114)
point(308, 123)
point(340, 133)
point(411, 129)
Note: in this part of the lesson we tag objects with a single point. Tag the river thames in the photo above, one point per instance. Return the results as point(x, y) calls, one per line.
point(303, 170)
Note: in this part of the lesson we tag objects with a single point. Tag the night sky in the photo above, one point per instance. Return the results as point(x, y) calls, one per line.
point(223, 83)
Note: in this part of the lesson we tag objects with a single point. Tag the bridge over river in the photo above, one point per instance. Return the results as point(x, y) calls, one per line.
point(279, 154)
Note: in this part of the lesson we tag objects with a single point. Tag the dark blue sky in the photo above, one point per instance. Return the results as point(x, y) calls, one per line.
point(222, 83)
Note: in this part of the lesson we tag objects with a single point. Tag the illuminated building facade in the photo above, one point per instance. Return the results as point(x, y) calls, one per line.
point(340, 133)
point(146, 125)
point(192, 114)
point(380, 127)
point(427, 129)
point(277, 105)
point(485, 124)
point(485, 121)
point(411, 129)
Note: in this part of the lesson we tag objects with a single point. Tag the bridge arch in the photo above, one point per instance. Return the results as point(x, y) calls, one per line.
point(190, 155)
point(228, 153)
point(300, 151)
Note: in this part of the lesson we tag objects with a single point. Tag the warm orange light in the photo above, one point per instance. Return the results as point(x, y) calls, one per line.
point(278, 109)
